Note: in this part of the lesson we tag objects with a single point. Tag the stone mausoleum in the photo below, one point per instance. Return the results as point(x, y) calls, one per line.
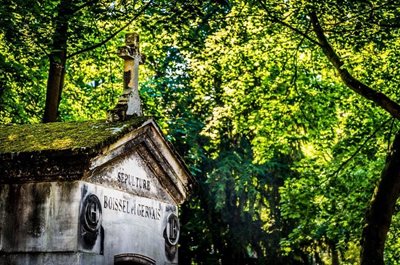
point(91, 193)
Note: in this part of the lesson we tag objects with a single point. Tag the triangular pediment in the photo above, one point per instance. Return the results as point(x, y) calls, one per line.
point(142, 163)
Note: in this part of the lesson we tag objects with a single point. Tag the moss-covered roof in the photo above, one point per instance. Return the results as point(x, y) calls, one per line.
point(63, 135)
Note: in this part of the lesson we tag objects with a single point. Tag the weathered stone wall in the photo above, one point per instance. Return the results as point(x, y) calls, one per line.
point(39, 217)
point(61, 222)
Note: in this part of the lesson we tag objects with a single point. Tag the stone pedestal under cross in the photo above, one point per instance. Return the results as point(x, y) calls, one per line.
point(129, 103)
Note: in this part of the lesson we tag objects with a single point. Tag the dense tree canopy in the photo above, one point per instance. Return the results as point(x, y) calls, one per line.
point(285, 112)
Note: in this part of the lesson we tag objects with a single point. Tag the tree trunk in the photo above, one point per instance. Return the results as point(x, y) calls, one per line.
point(318, 259)
point(55, 83)
point(58, 58)
point(379, 216)
point(335, 254)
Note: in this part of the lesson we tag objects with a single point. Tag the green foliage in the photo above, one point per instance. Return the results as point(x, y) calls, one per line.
point(286, 156)
point(257, 80)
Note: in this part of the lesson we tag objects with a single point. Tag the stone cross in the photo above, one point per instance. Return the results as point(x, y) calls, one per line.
point(132, 56)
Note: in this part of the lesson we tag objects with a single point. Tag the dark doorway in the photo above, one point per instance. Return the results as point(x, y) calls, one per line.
point(133, 259)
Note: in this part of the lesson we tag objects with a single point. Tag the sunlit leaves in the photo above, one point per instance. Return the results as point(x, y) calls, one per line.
point(259, 79)
point(286, 156)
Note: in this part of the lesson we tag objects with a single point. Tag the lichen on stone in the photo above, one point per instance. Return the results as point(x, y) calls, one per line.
point(63, 135)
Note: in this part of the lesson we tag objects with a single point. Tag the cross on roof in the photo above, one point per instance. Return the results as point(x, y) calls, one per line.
point(132, 58)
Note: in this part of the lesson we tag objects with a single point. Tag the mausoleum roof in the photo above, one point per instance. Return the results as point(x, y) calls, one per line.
point(57, 136)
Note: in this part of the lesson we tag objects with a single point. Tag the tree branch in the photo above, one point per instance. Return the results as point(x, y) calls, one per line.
point(361, 147)
point(88, 3)
point(273, 18)
point(113, 34)
point(390, 135)
point(360, 88)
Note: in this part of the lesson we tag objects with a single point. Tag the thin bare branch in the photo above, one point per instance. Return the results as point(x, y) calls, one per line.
point(113, 34)
point(389, 139)
point(361, 147)
point(275, 19)
point(88, 3)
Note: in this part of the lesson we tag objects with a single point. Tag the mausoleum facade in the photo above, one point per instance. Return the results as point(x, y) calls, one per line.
point(91, 192)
